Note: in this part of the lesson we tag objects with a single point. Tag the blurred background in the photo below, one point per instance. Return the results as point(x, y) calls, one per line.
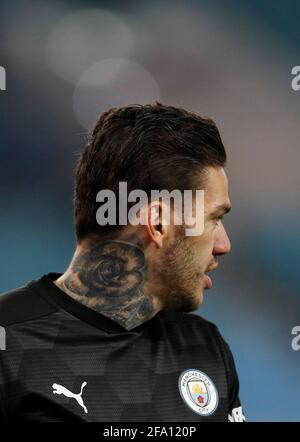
point(67, 61)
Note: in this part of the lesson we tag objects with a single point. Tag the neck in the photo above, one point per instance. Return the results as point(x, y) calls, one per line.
point(111, 278)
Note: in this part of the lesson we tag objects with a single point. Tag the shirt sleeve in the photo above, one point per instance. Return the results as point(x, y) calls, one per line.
point(2, 409)
point(235, 409)
point(2, 414)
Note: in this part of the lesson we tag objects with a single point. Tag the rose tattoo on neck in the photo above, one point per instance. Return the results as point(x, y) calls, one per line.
point(109, 278)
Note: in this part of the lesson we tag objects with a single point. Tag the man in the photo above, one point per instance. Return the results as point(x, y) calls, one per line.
point(114, 338)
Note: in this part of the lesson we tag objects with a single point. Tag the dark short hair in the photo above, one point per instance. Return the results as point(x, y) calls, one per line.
point(151, 146)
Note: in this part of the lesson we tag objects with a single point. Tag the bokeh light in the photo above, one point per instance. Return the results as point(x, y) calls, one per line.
point(85, 37)
point(109, 83)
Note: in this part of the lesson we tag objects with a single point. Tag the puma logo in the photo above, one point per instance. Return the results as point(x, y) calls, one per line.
point(59, 389)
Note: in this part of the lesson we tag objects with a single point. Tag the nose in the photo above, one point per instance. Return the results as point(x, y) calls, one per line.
point(222, 244)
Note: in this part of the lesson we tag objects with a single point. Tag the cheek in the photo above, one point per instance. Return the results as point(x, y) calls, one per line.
point(196, 259)
point(201, 254)
point(188, 260)
point(204, 244)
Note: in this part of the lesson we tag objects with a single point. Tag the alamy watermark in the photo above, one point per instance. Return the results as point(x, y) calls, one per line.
point(295, 83)
point(2, 338)
point(187, 208)
point(2, 79)
point(296, 340)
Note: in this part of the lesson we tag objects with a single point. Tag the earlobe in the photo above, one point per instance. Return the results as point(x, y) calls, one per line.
point(158, 238)
point(154, 226)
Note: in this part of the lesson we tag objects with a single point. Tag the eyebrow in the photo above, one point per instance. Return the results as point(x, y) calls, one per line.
point(223, 208)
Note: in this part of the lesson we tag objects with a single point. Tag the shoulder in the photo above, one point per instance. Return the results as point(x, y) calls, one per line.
point(22, 304)
point(197, 328)
point(190, 318)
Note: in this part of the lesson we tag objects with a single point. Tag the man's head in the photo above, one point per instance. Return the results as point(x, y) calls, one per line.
point(184, 260)
point(155, 147)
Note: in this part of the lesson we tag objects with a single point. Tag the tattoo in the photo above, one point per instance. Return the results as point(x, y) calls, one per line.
point(109, 278)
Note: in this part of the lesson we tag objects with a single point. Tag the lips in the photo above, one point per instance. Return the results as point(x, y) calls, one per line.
point(208, 282)
point(207, 279)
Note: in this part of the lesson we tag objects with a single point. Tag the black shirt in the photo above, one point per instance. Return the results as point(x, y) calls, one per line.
point(66, 362)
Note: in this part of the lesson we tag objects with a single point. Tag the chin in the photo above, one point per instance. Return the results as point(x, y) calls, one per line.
point(200, 296)
point(198, 300)
point(189, 303)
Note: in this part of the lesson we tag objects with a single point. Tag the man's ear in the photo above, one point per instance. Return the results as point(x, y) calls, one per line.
point(157, 227)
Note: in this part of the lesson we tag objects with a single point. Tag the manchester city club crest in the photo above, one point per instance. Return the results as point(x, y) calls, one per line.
point(198, 391)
